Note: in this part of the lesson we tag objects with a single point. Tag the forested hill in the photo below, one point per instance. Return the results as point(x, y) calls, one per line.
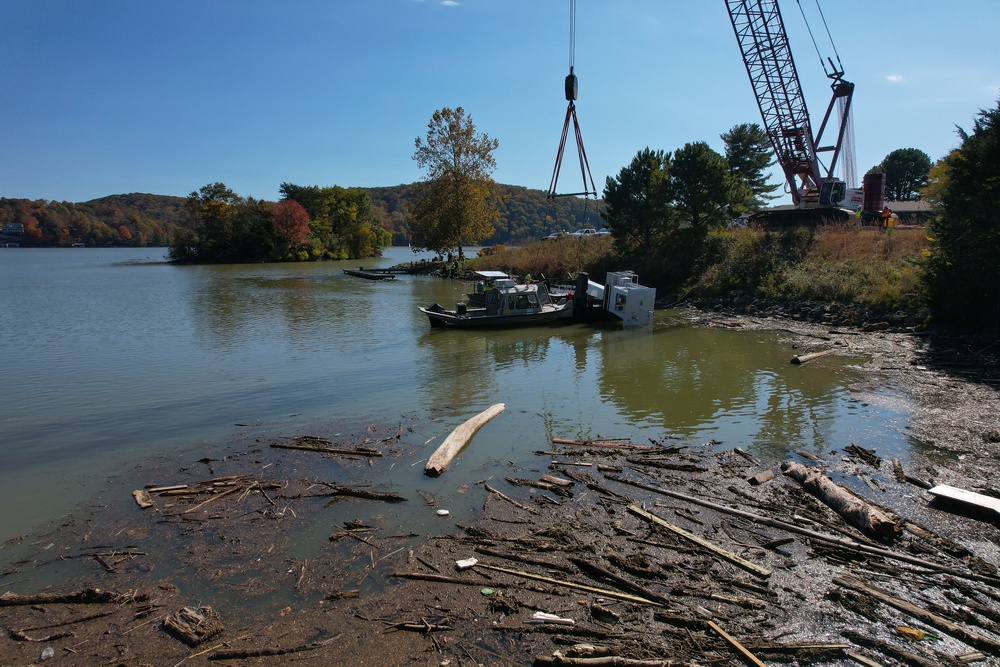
point(140, 219)
point(527, 213)
point(119, 220)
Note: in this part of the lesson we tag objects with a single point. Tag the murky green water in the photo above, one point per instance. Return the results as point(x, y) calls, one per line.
point(112, 356)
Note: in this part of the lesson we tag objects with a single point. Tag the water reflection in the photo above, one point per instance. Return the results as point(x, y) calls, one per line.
point(739, 384)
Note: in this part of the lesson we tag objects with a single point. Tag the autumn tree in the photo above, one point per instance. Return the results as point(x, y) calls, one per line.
point(749, 155)
point(906, 171)
point(291, 223)
point(459, 202)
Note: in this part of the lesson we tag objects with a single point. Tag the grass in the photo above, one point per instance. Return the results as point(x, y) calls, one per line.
point(829, 264)
point(835, 264)
point(560, 259)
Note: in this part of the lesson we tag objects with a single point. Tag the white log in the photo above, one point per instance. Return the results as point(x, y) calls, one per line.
point(459, 438)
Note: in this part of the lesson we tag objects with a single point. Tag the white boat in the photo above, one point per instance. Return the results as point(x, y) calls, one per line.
point(507, 305)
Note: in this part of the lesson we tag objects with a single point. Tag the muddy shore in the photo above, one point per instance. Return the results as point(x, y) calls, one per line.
point(788, 580)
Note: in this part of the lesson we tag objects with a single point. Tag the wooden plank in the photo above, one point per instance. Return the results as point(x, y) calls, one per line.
point(857, 657)
point(752, 568)
point(459, 438)
point(751, 658)
point(977, 500)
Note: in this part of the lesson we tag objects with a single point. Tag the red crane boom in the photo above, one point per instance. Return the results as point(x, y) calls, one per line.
point(763, 43)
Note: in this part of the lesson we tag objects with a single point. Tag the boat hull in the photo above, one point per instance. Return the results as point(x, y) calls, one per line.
point(478, 319)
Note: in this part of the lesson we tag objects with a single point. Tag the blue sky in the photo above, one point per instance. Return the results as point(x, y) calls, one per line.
point(121, 96)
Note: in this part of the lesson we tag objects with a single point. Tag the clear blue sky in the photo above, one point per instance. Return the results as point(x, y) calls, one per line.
point(121, 96)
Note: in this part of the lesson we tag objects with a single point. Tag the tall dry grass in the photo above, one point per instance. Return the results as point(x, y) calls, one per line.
point(559, 259)
point(840, 264)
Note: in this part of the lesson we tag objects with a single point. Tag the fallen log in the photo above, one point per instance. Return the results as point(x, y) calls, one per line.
point(855, 511)
point(459, 438)
point(929, 617)
point(752, 568)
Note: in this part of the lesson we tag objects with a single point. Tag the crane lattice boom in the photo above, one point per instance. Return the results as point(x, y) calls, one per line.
point(763, 43)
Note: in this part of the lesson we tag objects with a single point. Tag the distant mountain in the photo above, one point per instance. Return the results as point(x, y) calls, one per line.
point(141, 219)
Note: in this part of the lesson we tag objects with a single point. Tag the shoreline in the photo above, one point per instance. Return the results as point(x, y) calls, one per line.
point(955, 407)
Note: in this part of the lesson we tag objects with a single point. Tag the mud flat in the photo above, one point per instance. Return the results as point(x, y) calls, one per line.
point(632, 551)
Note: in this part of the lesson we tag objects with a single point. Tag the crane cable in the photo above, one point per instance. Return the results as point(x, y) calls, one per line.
point(572, 34)
point(829, 36)
point(589, 190)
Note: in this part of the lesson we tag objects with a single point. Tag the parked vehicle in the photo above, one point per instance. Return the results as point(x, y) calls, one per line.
point(555, 236)
point(589, 231)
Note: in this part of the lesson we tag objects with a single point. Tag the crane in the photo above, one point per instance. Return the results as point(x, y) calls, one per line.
point(760, 32)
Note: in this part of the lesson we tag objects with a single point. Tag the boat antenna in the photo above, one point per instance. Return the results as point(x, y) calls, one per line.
point(571, 89)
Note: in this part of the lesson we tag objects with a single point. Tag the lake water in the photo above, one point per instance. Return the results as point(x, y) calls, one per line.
point(113, 356)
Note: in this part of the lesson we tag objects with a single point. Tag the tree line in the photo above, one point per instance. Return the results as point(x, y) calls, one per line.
point(309, 223)
point(133, 220)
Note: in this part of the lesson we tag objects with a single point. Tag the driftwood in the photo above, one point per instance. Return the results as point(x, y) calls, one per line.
point(750, 657)
point(940, 622)
point(142, 498)
point(238, 654)
point(803, 358)
point(325, 449)
point(510, 500)
point(572, 584)
point(822, 537)
point(603, 444)
point(599, 572)
point(85, 596)
point(603, 661)
point(867, 455)
point(890, 650)
point(194, 626)
point(439, 578)
point(354, 492)
point(21, 636)
point(855, 511)
point(459, 438)
point(528, 560)
point(752, 568)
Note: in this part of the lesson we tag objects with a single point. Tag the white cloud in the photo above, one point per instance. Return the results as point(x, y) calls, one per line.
point(449, 3)
point(894, 78)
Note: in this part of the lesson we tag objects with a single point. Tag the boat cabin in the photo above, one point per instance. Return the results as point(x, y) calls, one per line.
point(508, 298)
